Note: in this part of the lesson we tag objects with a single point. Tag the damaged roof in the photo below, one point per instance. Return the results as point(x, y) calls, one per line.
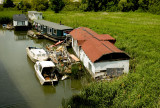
point(97, 46)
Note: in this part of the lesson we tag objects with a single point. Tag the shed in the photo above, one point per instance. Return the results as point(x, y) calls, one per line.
point(20, 20)
point(1, 2)
point(34, 15)
point(98, 53)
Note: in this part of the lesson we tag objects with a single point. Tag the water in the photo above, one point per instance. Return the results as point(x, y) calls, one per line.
point(19, 86)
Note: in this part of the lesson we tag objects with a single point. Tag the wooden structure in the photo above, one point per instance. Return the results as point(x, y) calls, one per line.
point(98, 53)
point(20, 21)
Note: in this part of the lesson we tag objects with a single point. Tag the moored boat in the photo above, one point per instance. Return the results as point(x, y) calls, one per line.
point(31, 34)
point(46, 72)
point(37, 54)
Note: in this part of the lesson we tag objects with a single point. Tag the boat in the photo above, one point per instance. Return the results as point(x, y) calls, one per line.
point(46, 72)
point(9, 27)
point(64, 77)
point(37, 54)
point(31, 34)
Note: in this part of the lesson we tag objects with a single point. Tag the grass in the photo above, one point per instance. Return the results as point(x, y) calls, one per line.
point(138, 34)
point(6, 16)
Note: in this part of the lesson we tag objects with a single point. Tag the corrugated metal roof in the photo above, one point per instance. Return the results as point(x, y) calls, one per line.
point(53, 25)
point(94, 45)
point(20, 17)
point(83, 33)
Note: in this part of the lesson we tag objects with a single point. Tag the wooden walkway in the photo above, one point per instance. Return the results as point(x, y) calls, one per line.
point(55, 40)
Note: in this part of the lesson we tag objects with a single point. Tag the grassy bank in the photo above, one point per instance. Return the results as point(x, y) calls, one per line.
point(136, 33)
point(6, 16)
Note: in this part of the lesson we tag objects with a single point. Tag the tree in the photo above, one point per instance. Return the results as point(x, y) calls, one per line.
point(57, 5)
point(40, 5)
point(8, 3)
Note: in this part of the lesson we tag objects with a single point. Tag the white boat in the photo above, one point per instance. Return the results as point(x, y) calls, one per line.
point(37, 54)
point(46, 72)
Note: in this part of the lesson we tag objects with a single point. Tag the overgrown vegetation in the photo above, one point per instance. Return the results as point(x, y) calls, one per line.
point(7, 18)
point(137, 34)
point(152, 6)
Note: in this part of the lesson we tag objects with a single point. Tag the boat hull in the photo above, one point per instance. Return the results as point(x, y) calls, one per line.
point(35, 59)
point(42, 80)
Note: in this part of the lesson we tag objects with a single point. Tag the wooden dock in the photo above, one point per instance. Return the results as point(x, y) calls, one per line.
point(55, 40)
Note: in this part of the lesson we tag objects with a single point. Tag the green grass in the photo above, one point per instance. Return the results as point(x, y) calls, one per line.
point(6, 16)
point(138, 34)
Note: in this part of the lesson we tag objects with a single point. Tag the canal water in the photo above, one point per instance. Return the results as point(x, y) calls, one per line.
point(19, 86)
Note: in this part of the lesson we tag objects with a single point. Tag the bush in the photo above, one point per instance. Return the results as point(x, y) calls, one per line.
point(155, 8)
point(72, 6)
point(77, 70)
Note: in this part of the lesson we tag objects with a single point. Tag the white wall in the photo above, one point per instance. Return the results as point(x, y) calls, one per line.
point(112, 64)
point(26, 23)
point(97, 67)
point(14, 23)
point(35, 16)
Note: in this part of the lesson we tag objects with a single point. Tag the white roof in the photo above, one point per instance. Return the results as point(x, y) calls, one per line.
point(34, 12)
point(38, 51)
point(46, 64)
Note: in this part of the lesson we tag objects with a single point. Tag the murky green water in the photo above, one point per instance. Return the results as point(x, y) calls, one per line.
point(19, 86)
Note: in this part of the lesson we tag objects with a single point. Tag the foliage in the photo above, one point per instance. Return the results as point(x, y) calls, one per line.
point(155, 8)
point(77, 70)
point(57, 5)
point(40, 5)
point(72, 6)
point(138, 35)
point(8, 3)
point(24, 5)
point(7, 18)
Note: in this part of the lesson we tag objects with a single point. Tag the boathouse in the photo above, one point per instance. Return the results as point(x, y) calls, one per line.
point(98, 53)
point(20, 20)
point(34, 15)
point(52, 29)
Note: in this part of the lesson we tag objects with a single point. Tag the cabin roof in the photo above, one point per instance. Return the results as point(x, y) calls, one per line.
point(34, 12)
point(20, 17)
point(96, 46)
point(53, 25)
point(46, 64)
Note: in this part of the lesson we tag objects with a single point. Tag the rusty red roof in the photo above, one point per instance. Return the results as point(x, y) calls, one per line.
point(83, 33)
point(94, 45)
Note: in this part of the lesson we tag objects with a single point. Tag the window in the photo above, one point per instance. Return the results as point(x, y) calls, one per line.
point(55, 31)
point(23, 22)
point(50, 31)
point(90, 66)
point(114, 71)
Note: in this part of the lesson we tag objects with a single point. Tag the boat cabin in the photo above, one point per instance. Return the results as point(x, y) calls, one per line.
point(51, 29)
point(46, 72)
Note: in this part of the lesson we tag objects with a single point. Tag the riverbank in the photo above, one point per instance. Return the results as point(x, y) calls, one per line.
point(138, 35)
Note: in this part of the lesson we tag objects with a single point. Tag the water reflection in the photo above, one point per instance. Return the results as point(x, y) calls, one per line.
point(18, 81)
point(10, 95)
point(21, 35)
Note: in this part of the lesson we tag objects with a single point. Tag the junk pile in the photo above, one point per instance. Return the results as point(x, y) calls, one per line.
point(61, 57)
